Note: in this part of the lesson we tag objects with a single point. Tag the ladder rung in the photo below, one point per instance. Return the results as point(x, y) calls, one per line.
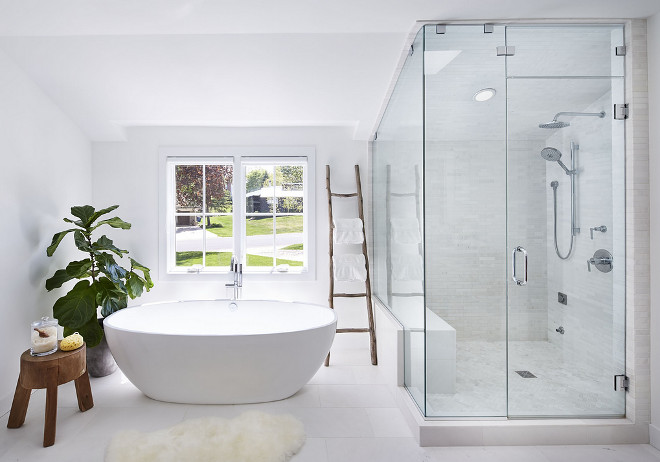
point(344, 195)
point(349, 330)
point(350, 295)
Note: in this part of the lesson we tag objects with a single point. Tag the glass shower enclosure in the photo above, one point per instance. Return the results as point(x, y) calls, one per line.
point(499, 227)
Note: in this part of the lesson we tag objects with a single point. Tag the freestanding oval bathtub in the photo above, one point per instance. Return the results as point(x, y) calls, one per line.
point(220, 351)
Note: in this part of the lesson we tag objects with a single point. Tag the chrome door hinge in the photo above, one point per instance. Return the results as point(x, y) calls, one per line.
point(489, 28)
point(506, 51)
point(621, 111)
point(621, 382)
point(620, 50)
point(440, 28)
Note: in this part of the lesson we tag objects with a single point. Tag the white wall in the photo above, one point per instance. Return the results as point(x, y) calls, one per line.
point(46, 168)
point(135, 164)
point(653, 30)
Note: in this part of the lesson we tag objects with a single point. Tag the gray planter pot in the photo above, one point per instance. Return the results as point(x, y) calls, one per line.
point(100, 361)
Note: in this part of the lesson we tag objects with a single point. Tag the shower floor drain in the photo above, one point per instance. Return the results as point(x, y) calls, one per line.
point(526, 374)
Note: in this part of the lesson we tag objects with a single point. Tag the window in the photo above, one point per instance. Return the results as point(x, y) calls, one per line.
point(254, 207)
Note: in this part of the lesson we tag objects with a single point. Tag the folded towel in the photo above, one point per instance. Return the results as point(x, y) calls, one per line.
point(348, 231)
point(350, 267)
point(407, 267)
point(405, 230)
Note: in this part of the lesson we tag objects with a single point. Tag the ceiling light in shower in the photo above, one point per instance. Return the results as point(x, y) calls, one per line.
point(484, 94)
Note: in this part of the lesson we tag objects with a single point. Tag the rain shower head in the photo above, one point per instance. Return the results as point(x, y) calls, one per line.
point(554, 124)
point(560, 124)
point(554, 155)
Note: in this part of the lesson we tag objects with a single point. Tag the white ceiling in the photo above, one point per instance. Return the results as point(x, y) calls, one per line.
point(122, 63)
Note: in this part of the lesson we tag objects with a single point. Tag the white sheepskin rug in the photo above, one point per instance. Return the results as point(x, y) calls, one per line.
point(253, 436)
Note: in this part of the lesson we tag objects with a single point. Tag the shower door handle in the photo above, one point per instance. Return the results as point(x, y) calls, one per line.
point(523, 281)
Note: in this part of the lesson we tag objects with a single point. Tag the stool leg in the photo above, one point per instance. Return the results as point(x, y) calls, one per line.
point(84, 392)
point(19, 406)
point(51, 406)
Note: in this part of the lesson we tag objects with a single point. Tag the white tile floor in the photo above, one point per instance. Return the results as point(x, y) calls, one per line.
point(348, 412)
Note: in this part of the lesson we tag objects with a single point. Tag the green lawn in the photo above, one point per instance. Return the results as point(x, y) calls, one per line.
point(222, 226)
point(293, 247)
point(223, 259)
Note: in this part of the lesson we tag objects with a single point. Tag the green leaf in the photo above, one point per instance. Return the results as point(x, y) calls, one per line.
point(110, 268)
point(81, 241)
point(91, 332)
point(57, 238)
point(137, 265)
point(96, 215)
point(135, 285)
point(59, 278)
point(79, 269)
point(115, 222)
point(77, 307)
point(104, 243)
point(84, 212)
point(109, 297)
point(76, 222)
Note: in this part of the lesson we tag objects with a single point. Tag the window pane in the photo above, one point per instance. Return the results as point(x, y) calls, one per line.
point(289, 188)
point(259, 241)
point(259, 189)
point(289, 240)
point(189, 240)
point(219, 240)
point(218, 188)
point(188, 188)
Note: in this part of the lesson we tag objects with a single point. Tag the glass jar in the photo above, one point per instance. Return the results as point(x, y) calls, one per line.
point(43, 337)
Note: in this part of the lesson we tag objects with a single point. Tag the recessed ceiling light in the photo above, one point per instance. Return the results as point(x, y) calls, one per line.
point(484, 94)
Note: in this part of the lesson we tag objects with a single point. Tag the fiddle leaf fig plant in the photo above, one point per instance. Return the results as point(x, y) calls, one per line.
point(102, 281)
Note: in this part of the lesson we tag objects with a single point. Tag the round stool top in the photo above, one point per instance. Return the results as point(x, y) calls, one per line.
point(70, 365)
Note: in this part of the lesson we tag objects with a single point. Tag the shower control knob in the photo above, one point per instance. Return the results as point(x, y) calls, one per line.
point(602, 229)
point(602, 260)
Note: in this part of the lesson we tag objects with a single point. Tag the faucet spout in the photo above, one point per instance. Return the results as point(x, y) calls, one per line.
point(237, 269)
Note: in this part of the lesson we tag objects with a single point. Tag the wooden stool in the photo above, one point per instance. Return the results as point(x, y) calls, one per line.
point(49, 372)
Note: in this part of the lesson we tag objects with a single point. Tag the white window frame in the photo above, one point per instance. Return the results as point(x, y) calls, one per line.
point(240, 157)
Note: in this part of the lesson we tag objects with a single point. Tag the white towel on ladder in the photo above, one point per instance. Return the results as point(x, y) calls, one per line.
point(408, 268)
point(348, 231)
point(349, 267)
point(405, 230)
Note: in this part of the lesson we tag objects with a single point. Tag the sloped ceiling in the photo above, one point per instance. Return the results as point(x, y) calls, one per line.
point(109, 65)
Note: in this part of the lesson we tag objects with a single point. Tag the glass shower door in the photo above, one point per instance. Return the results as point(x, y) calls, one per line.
point(465, 221)
point(565, 221)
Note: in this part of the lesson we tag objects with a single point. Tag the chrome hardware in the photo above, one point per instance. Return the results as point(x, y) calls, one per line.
point(560, 329)
point(622, 381)
point(506, 51)
point(602, 229)
point(620, 50)
point(523, 281)
point(489, 28)
point(237, 269)
point(621, 111)
point(412, 50)
point(440, 28)
point(602, 260)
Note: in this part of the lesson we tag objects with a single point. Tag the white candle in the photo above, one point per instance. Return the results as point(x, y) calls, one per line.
point(43, 339)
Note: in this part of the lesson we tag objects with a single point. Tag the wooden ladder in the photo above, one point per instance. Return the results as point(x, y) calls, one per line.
point(367, 283)
point(388, 231)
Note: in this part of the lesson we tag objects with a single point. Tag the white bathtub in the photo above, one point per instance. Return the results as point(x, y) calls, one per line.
point(208, 352)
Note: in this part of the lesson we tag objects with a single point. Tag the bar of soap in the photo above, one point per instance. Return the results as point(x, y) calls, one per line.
point(71, 342)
